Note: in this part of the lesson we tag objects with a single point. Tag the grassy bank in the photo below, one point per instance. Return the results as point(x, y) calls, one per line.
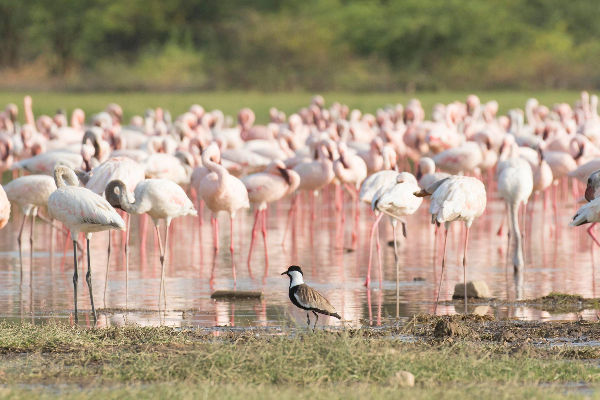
point(157, 362)
point(231, 102)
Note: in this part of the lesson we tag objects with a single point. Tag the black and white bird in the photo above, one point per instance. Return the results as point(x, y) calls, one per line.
point(307, 298)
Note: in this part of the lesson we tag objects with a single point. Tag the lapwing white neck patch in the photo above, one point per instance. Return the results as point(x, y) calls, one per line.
point(296, 278)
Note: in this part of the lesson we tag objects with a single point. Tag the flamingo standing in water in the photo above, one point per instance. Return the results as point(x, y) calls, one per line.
point(221, 192)
point(130, 173)
point(351, 171)
point(515, 185)
point(397, 200)
point(264, 188)
point(29, 193)
point(81, 210)
point(370, 187)
point(160, 199)
point(457, 198)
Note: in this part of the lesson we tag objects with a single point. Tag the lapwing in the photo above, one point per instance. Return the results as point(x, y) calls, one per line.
point(307, 298)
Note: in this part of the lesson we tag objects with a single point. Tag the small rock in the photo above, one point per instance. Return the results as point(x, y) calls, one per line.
point(475, 289)
point(403, 379)
point(419, 279)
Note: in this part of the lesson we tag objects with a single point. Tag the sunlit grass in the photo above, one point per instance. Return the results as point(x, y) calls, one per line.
point(231, 102)
point(162, 362)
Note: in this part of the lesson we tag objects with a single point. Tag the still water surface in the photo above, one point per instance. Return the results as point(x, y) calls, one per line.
point(558, 259)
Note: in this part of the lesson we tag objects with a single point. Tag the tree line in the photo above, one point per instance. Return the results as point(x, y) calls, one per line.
point(313, 45)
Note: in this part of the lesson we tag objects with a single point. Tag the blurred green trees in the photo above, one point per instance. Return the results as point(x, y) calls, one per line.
point(277, 45)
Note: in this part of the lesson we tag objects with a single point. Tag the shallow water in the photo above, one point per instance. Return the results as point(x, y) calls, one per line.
point(558, 258)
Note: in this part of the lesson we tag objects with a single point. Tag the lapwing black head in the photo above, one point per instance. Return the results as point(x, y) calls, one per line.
point(307, 298)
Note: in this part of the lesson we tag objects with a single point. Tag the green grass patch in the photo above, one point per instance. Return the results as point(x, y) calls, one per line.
point(135, 103)
point(155, 362)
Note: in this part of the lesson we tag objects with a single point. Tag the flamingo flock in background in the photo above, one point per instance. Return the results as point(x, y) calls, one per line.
point(83, 169)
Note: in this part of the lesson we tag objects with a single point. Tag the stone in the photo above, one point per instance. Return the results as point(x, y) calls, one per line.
point(475, 289)
point(403, 379)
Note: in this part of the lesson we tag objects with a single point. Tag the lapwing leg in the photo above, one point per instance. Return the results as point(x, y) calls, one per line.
point(308, 319)
point(317, 320)
point(75, 279)
point(88, 278)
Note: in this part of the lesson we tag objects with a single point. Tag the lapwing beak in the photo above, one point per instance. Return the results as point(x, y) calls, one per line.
point(284, 273)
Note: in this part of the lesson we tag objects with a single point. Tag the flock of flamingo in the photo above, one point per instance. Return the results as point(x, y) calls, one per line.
point(92, 175)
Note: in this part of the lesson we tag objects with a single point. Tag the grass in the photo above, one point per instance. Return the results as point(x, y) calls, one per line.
point(230, 102)
point(159, 362)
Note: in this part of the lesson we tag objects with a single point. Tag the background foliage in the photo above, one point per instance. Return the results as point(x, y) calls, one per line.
point(283, 45)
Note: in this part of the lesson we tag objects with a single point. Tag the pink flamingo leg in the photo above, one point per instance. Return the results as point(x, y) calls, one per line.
point(62, 263)
point(254, 227)
point(289, 218)
point(232, 258)
point(313, 206)
point(378, 246)
point(264, 232)
point(144, 228)
point(590, 231)
point(501, 229)
point(368, 281)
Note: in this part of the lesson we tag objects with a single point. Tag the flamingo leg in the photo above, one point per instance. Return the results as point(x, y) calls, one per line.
point(254, 233)
point(590, 231)
point(161, 290)
point(107, 265)
point(31, 258)
point(62, 263)
point(88, 278)
point(313, 206)
point(378, 247)
point(231, 250)
point(264, 232)
point(289, 218)
point(368, 281)
point(19, 240)
point(465, 268)
point(501, 229)
point(75, 278)
point(397, 273)
point(442, 276)
point(144, 228)
point(127, 259)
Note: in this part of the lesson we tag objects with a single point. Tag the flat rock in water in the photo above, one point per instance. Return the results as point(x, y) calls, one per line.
point(475, 289)
point(403, 378)
point(236, 295)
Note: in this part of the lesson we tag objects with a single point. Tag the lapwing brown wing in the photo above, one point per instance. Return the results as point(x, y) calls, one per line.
point(307, 298)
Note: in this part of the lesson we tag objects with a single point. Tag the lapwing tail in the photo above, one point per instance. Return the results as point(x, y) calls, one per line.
point(336, 315)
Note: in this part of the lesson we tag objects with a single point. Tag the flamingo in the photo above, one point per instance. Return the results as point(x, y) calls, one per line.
point(351, 171)
point(160, 199)
point(397, 200)
point(129, 172)
point(221, 192)
point(515, 185)
point(426, 174)
point(267, 187)
point(457, 198)
point(370, 187)
point(44, 163)
point(29, 193)
point(81, 210)
point(4, 208)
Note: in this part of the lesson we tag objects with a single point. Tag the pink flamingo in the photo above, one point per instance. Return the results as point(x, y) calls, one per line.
point(130, 173)
point(160, 199)
point(314, 176)
point(29, 193)
point(267, 187)
point(221, 192)
point(457, 198)
point(351, 171)
point(81, 210)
